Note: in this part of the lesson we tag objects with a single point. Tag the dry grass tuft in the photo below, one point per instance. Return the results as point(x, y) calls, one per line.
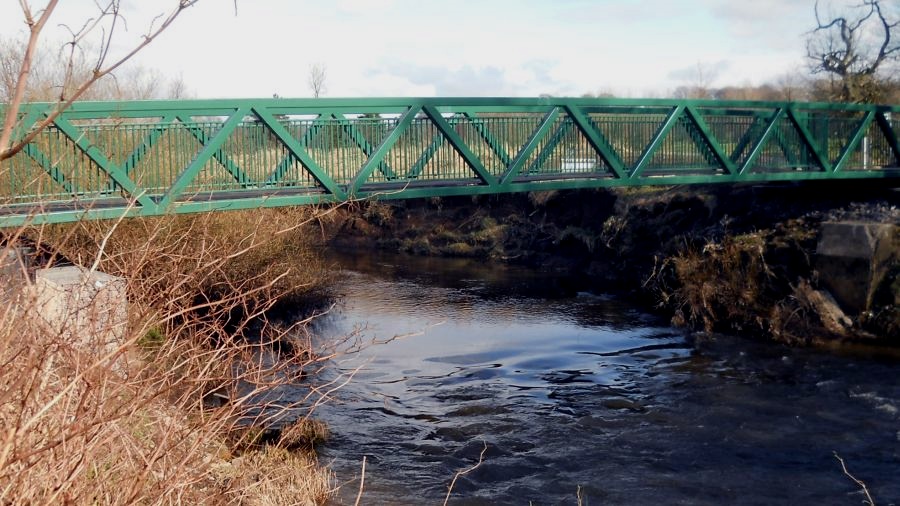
point(723, 282)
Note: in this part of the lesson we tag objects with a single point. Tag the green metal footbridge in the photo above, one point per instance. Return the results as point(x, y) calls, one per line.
point(109, 159)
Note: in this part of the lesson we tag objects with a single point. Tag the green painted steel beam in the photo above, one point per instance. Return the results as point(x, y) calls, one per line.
point(11, 219)
point(416, 170)
point(808, 140)
point(697, 119)
point(234, 169)
point(482, 129)
point(51, 169)
point(360, 140)
point(308, 137)
point(756, 150)
point(382, 150)
point(547, 150)
point(889, 134)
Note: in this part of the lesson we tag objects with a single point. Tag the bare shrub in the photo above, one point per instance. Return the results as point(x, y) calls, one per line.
point(154, 419)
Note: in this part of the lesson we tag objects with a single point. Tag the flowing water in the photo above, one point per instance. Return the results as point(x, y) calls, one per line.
point(565, 393)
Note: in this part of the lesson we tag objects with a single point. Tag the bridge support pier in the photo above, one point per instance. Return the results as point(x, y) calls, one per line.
point(855, 259)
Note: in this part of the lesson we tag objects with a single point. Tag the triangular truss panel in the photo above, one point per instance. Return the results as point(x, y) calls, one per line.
point(44, 169)
point(493, 138)
point(737, 132)
point(341, 145)
point(155, 165)
point(629, 134)
point(426, 154)
point(834, 132)
point(684, 150)
point(873, 150)
point(164, 161)
point(66, 164)
point(564, 152)
point(784, 148)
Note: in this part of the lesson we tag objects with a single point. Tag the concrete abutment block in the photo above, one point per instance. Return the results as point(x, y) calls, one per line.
point(855, 258)
point(88, 309)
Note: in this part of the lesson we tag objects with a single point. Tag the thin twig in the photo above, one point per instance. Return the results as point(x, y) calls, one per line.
point(465, 472)
point(362, 482)
point(862, 485)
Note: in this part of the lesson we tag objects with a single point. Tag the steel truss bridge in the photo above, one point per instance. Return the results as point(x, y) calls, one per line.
point(145, 158)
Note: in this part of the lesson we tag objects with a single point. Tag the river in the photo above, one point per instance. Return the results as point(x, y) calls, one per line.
point(571, 394)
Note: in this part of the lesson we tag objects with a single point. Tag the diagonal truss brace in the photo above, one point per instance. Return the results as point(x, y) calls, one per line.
point(460, 146)
point(96, 156)
point(234, 169)
point(297, 150)
point(664, 128)
point(855, 139)
point(208, 152)
point(533, 142)
point(382, 150)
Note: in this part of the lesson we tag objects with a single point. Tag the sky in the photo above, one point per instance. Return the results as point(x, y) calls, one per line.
point(372, 48)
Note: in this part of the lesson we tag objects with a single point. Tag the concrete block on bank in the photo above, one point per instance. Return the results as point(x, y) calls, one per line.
point(88, 309)
point(853, 259)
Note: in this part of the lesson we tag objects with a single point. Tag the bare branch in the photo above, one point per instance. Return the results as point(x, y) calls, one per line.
point(465, 472)
point(862, 485)
point(854, 48)
point(9, 149)
point(12, 111)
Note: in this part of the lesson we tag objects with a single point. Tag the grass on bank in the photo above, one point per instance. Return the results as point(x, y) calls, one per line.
point(156, 417)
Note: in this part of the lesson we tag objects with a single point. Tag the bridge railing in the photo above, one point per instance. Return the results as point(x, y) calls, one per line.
point(102, 159)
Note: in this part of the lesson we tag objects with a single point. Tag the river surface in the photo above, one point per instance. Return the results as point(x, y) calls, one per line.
point(575, 394)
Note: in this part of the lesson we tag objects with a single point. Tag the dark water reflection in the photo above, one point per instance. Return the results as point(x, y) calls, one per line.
point(571, 391)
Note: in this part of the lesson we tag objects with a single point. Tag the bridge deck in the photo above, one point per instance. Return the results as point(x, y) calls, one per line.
point(146, 158)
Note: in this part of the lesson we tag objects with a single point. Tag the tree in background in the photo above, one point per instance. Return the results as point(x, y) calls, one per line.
point(316, 80)
point(49, 70)
point(857, 51)
point(81, 68)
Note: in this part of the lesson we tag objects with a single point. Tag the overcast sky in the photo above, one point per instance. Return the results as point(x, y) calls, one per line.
point(630, 48)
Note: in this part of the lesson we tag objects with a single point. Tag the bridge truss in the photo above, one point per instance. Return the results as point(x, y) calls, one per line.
point(145, 158)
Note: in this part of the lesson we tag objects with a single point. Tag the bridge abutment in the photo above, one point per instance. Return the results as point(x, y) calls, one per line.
point(857, 262)
point(85, 309)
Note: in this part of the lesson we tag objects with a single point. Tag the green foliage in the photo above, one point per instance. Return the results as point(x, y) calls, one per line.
point(153, 339)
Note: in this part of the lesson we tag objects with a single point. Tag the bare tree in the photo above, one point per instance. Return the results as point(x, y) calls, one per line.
point(107, 20)
point(316, 81)
point(791, 86)
point(699, 81)
point(855, 48)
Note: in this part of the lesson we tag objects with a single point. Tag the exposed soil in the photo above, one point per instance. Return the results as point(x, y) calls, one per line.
point(721, 258)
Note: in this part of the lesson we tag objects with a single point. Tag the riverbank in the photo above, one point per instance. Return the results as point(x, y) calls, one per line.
point(734, 259)
point(185, 404)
